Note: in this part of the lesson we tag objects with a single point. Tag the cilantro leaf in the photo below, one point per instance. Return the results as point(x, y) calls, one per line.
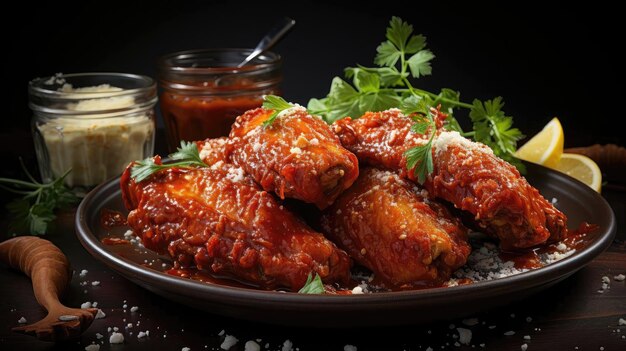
point(33, 212)
point(419, 63)
point(312, 285)
point(398, 32)
point(387, 54)
point(415, 44)
point(493, 128)
point(318, 107)
point(276, 103)
point(415, 104)
point(420, 160)
point(187, 155)
point(187, 151)
point(400, 57)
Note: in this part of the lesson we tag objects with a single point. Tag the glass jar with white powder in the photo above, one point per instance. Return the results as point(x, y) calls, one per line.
point(93, 124)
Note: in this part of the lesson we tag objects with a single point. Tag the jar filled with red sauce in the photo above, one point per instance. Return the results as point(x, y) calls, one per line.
point(203, 91)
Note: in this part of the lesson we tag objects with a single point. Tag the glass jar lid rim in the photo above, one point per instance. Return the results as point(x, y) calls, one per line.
point(38, 87)
point(263, 61)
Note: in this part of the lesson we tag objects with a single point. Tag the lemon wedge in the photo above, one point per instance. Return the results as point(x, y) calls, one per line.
point(546, 147)
point(582, 168)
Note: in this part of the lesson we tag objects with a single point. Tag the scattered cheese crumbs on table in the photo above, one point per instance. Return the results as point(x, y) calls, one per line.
point(129, 325)
point(23, 320)
point(251, 345)
point(619, 277)
point(621, 321)
point(429, 348)
point(134, 309)
point(465, 335)
point(99, 336)
point(357, 290)
point(100, 314)
point(492, 327)
point(85, 305)
point(526, 337)
point(452, 326)
point(524, 347)
point(509, 333)
point(115, 329)
point(185, 349)
point(95, 283)
point(287, 345)
point(456, 344)
point(221, 333)
point(124, 306)
point(141, 335)
point(83, 273)
point(470, 322)
point(481, 345)
point(229, 341)
point(92, 347)
point(349, 348)
point(116, 338)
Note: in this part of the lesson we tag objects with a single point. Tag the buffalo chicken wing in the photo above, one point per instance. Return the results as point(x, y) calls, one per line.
point(219, 220)
point(390, 226)
point(297, 156)
point(466, 173)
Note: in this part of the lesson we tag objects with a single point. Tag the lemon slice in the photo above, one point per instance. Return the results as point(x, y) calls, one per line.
point(582, 168)
point(546, 147)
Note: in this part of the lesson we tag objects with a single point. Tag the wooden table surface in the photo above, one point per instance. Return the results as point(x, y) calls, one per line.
point(572, 315)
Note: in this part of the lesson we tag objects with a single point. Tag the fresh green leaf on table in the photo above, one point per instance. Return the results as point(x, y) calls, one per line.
point(34, 211)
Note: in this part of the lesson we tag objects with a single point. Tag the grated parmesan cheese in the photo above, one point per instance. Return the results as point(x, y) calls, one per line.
point(116, 338)
point(229, 341)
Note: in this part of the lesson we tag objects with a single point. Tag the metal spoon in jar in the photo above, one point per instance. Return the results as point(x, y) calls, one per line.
point(270, 39)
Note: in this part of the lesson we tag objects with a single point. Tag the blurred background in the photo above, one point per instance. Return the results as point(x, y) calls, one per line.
point(544, 62)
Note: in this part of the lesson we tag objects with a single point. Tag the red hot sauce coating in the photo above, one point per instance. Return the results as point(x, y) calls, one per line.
point(297, 156)
point(218, 219)
point(466, 174)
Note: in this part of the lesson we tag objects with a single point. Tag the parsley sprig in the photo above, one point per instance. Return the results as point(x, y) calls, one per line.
point(312, 285)
point(276, 103)
point(187, 155)
point(420, 158)
point(33, 212)
point(402, 57)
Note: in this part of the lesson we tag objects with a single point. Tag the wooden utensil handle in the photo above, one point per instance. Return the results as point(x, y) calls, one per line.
point(43, 262)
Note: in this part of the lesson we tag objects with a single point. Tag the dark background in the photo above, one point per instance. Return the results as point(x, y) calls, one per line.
point(545, 62)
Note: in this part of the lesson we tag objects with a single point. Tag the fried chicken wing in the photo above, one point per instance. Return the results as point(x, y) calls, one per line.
point(466, 173)
point(219, 220)
point(390, 226)
point(297, 156)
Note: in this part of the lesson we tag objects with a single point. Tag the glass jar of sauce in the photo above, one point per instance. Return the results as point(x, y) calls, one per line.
point(93, 124)
point(203, 91)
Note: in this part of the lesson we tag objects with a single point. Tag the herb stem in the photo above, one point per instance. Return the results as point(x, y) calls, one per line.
point(23, 183)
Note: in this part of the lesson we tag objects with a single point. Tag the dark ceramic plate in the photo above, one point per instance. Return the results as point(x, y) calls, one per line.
point(579, 202)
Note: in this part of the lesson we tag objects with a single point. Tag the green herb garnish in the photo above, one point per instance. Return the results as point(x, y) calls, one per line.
point(32, 213)
point(420, 158)
point(401, 57)
point(187, 155)
point(276, 103)
point(312, 285)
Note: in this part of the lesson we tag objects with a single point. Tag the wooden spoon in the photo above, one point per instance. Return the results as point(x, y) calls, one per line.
point(50, 273)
